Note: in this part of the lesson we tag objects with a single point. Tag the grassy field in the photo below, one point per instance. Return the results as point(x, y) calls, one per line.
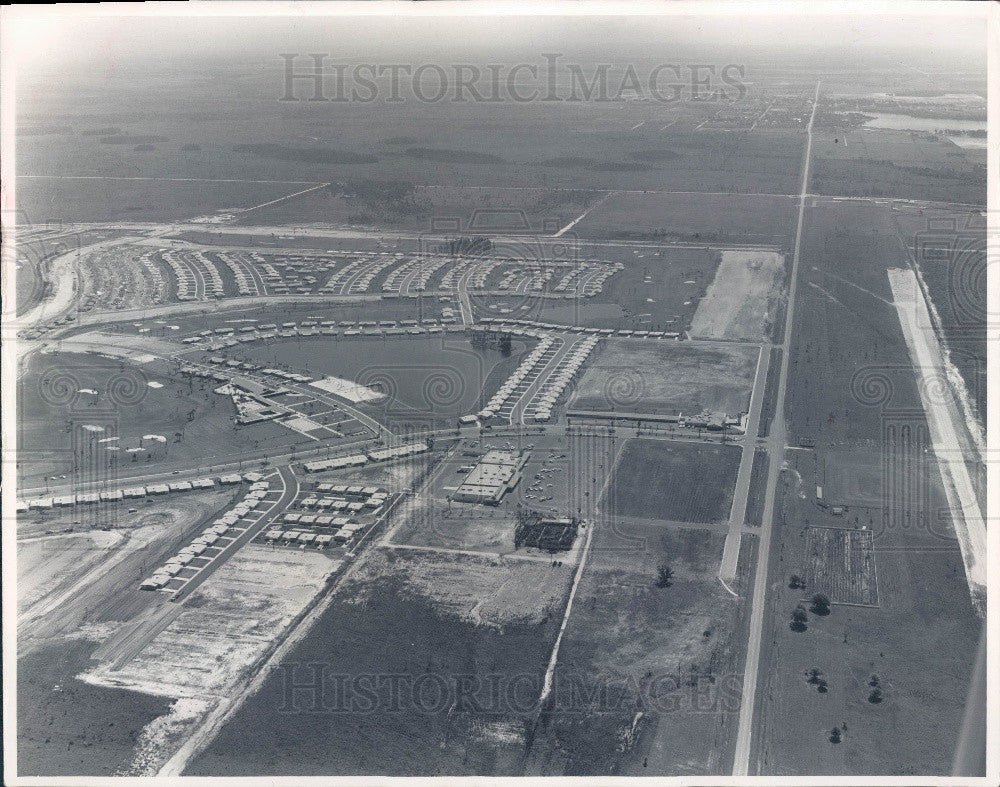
point(678, 481)
point(852, 391)
point(853, 355)
point(919, 642)
point(693, 218)
point(758, 488)
point(645, 683)
point(667, 377)
point(888, 163)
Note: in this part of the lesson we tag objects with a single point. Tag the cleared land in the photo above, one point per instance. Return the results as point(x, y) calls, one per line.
point(80, 590)
point(944, 421)
point(742, 298)
point(677, 481)
point(666, 377)
point(433, 621)
point(211, 643)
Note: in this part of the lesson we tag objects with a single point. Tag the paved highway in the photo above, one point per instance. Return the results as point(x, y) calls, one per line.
point(741, 493)
point(777, 440)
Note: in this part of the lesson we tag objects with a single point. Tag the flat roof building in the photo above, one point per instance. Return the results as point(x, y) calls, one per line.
point(496, 473)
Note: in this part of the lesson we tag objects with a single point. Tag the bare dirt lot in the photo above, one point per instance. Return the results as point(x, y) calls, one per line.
point(741, 302)
point(79, 589)
point(211, 642)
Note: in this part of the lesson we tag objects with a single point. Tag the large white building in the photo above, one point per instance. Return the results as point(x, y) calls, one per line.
point(496, 473)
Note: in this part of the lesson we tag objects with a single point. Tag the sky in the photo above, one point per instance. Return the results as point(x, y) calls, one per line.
point(53, 43)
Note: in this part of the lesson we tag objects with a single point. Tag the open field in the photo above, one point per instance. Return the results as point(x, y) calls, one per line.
point(432, 621)
point(890, 163)
point(757, 490)
point(742, 300)
point(666, 377)
point(645, 681)
point(418, 143)
point(124, 199)
point(693, 218)
point(418, 207)
point(919, 641)
point(853, 396)
point(678, 481)
point(855, 360)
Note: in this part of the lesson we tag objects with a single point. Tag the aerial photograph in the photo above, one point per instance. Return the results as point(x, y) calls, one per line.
point(550, 390)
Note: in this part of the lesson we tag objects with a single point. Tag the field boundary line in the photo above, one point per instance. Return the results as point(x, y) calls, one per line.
point(583, 215)
point(554, 658)
point(282, 199)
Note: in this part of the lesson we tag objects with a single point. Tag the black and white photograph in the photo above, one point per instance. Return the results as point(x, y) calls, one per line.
point(477, 393)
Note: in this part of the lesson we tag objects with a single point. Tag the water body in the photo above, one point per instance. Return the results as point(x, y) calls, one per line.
point(437, 378)
point(901, 122)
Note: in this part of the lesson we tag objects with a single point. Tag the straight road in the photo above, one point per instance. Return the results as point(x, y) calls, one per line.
point(777, 439)
point(741, 494)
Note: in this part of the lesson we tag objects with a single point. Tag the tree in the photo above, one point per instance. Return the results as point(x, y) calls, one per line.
point(795, 582)
point(799, 618)
point(814, 677)
point(876, 696)
point(664, 575)
point(835, 735)
point(820, 604)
